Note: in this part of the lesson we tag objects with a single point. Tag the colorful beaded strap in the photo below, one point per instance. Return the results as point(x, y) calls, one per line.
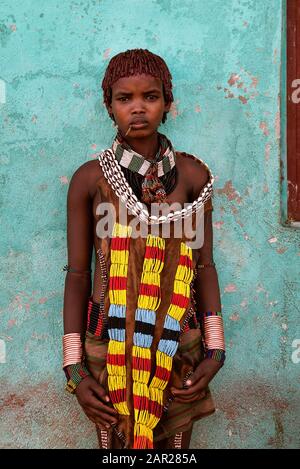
point(116, 364)
point(145, 317)
point(148, 401)
point(147, 398)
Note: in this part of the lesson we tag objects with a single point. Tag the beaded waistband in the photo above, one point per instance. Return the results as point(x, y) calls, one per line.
point(98, 326)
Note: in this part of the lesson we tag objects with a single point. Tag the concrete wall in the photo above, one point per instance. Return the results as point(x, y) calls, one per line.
point(226, 60)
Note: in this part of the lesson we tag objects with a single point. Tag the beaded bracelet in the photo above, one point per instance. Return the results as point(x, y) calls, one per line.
point(75, 373)
point(217, 354)
point(73, 366)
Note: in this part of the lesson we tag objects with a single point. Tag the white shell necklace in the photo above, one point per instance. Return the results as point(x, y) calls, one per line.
point(113, 173)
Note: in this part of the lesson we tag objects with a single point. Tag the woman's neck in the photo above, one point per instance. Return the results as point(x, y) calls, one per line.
point(147, 147)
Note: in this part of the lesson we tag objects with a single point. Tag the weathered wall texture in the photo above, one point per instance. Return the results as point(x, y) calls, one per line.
point(225, 58)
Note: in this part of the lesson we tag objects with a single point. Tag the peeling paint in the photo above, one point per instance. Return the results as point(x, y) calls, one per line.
point(218, 224)
point(64, 179)
point(264, 127)
point(233, 79)
point(281, 250)
point(174, 110)
point(229, 191)
point(234, 317)
point(243, 99)
point(230, 288)
point(106, 53)
point(267, 151)
point(43, 300)
point(12, 322)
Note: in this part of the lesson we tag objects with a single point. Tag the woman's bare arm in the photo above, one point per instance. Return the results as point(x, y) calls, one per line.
point(206, 284)
point(90, 395)
point(80, 247)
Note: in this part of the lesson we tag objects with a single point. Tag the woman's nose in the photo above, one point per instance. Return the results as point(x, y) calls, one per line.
point(138, 106)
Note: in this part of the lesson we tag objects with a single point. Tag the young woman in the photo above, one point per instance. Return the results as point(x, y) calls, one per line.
point(141, 343)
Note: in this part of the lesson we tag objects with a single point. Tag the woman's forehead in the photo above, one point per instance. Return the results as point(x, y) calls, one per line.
point(142, 81)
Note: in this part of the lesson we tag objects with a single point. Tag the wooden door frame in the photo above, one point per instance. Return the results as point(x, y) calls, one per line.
point(293, 112)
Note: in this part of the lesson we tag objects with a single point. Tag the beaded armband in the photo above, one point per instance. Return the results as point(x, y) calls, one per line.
point(75, 373)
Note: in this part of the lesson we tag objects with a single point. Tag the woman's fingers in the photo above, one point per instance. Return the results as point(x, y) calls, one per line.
point(98, 410)
point(100, 415)
point(96, 404)
point(99, 391)
point(193, 389)
point(103, 424)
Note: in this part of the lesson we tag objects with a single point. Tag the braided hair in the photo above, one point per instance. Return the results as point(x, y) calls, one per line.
point(137, 62)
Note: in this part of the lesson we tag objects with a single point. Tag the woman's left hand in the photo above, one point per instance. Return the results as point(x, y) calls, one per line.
point(198, 382)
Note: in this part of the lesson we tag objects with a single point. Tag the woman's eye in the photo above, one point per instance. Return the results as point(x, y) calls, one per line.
point(122, 98)
point(152, 97)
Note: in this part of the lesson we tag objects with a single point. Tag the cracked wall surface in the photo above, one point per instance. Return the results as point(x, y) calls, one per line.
point(225, 58)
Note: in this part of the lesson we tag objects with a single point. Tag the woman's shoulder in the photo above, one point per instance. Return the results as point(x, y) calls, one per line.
point(195, 169)
point(87, 175)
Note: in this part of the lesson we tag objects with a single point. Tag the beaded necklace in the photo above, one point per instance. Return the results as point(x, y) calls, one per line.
point(151, 180)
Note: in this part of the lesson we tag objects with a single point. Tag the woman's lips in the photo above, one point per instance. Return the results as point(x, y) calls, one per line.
point(139, 125)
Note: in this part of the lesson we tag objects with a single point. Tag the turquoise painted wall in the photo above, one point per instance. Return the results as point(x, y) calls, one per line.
point(226, 60)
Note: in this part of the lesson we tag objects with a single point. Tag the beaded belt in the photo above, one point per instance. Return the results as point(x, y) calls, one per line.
point(97, 320)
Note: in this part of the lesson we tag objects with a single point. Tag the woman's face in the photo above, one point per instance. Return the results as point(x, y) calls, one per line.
point(138, 101)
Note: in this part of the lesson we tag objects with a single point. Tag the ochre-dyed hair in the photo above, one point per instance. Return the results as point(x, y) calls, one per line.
point(136, 62)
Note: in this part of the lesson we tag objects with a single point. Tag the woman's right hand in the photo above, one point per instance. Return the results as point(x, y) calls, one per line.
point(95, 403)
